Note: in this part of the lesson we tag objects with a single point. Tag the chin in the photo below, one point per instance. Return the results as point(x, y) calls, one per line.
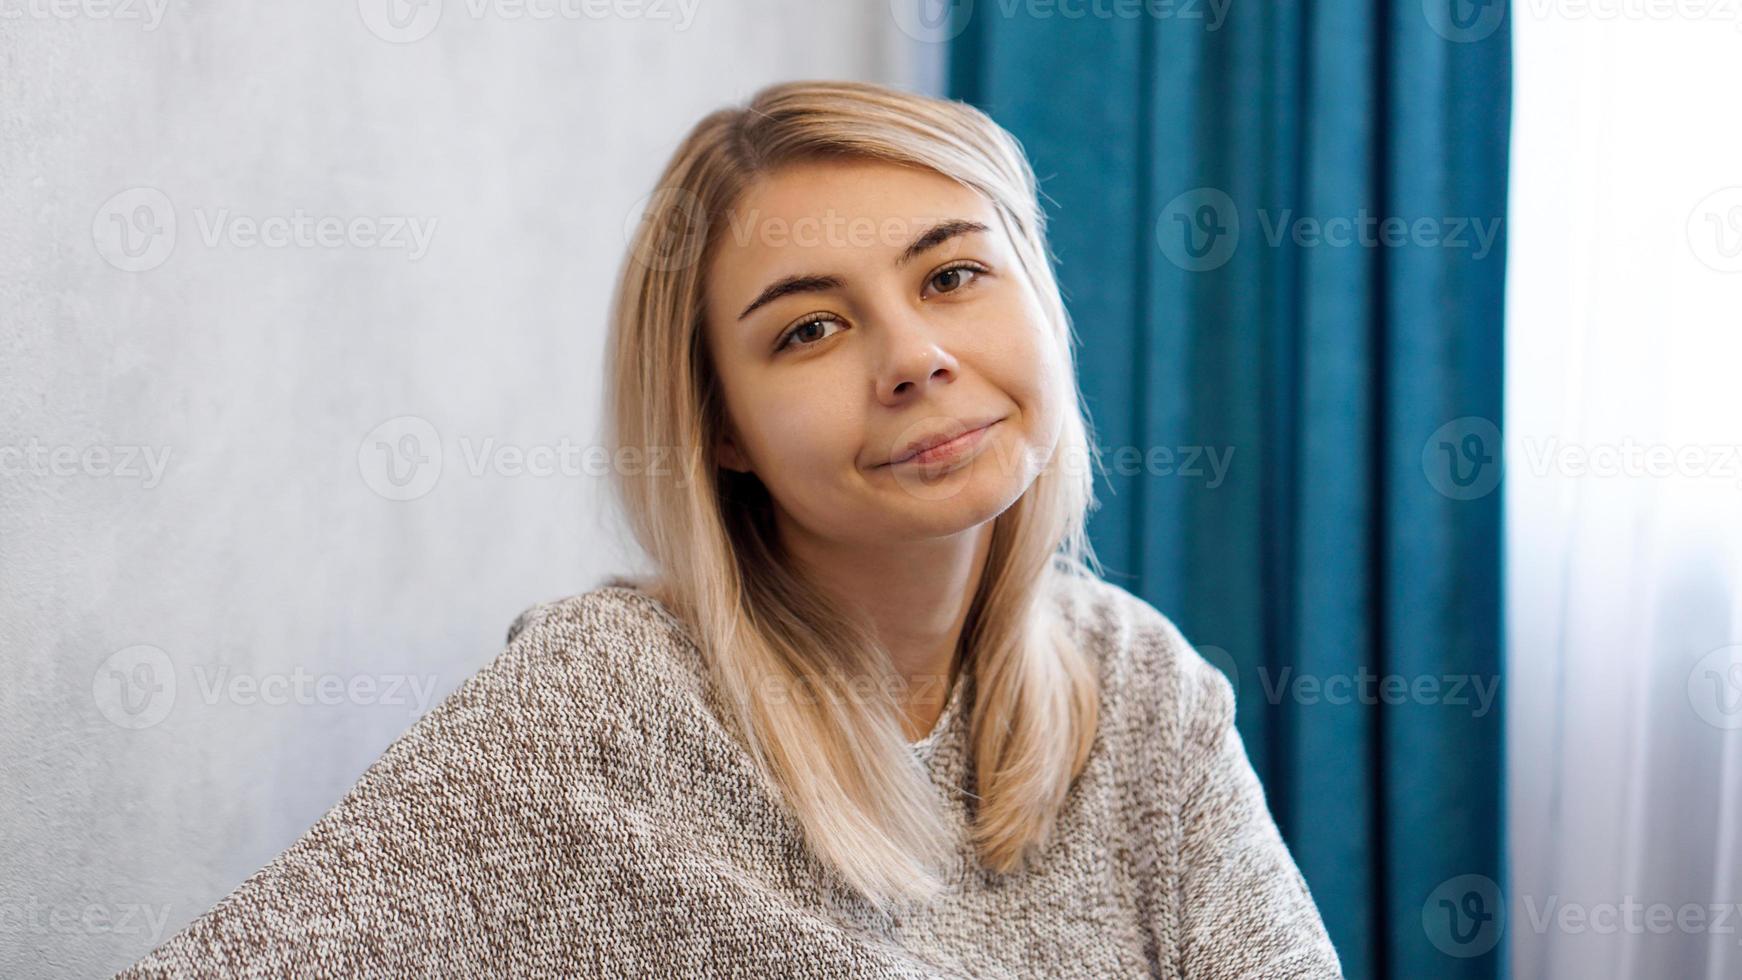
point(956, 501)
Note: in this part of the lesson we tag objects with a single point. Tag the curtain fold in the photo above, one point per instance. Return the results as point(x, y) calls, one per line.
point(1280, 233)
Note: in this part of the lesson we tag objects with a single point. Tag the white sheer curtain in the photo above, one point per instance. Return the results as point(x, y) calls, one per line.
point(1624, 490)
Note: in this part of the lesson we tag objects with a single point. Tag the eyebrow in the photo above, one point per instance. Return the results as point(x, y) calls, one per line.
point(932, 238)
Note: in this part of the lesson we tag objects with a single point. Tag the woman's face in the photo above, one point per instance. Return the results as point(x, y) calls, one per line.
point(857, 307)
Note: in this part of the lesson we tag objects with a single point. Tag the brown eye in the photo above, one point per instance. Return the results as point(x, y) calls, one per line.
point(806, 333)
point(953, 278)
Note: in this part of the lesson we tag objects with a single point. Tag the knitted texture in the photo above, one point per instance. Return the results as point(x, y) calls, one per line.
point(577, 808)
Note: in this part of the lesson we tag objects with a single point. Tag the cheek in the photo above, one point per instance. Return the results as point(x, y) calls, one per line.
point(1033, 372)
point(1028, 365)
point(804, 434)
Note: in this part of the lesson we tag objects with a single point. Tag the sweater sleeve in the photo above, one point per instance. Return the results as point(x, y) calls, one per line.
point(413, 871)
point(1245, 910)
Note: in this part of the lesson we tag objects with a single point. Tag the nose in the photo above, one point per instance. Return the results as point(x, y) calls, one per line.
point(913, 361)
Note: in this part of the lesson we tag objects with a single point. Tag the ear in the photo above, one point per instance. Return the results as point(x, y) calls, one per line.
point(728, 455)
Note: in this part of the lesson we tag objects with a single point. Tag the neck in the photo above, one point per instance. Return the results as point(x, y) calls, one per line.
point(916, 594)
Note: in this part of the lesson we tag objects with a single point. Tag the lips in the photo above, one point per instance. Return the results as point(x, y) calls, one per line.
point(944, 438)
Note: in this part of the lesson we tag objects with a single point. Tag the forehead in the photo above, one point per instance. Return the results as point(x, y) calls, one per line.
point(820, 215)
point(854, 187)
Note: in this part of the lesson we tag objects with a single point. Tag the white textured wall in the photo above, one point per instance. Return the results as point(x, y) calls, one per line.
point(199, 553)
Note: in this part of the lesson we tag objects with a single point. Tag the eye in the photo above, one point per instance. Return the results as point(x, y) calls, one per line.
point(954, 278)
point(803, 330)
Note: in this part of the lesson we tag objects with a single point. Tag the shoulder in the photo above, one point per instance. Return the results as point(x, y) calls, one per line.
point(617, 604)
point(576, 662)
point(1147, 663)
point(589, 672)
point(613, 626)
point(567, 736)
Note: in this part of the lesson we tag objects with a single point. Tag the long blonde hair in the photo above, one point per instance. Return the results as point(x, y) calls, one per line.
point(843, 762)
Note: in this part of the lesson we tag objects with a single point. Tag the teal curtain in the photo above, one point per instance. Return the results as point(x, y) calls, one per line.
point(1219, 177)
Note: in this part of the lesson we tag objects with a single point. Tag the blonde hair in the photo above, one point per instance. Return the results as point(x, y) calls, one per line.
point(843, 762)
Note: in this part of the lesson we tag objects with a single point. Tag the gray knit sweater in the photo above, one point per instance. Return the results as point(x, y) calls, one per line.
point(576, 808)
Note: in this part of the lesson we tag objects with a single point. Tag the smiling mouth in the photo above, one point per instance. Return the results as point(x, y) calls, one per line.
point(948, 451)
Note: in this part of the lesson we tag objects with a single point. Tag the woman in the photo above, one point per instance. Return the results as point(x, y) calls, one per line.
point(877, 715)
